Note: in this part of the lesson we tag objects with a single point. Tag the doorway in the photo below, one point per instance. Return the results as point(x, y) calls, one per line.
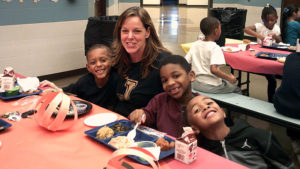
point(169, 2)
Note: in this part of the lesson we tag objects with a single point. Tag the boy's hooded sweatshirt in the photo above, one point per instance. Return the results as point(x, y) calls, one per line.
point(249, 146)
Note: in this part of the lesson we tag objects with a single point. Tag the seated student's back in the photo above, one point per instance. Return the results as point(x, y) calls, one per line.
point(287, 96)
point(206, 57)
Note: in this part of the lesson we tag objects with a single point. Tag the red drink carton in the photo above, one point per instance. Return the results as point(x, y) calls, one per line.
point(186, 146)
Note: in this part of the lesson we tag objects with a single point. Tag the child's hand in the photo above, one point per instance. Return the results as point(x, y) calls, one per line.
point(232, 79)
point(136, 116)
point(46, 83)
point(272, 34)
point(261, 37)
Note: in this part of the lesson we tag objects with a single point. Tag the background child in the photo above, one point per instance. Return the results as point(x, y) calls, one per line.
point(206, 57)
point(261, 31)
point(165, 111)
point(290, 25)
point(98, 86)
point(242, 143)
point(268, 28)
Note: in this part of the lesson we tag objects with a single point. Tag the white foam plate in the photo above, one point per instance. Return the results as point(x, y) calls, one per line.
point(230, 49)
point(100, 119)
point(253, 43)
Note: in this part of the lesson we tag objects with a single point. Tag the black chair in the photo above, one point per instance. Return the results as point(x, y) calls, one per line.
point(99, 30)
point(232, 22)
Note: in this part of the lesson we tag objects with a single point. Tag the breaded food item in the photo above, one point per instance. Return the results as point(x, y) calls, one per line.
point(120, 142)
point(164, 144)
point(246, 41)
point(104, 132)
point(229, 49)
point(292, 48)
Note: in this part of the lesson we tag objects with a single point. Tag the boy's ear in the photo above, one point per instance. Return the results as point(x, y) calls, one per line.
point(195, 129)
point(223, 112)
point(192, 76)
point(87, 67)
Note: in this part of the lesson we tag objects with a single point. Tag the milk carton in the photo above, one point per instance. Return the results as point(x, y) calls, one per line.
point(298, 45)
point(186, 146)
point(7, 81)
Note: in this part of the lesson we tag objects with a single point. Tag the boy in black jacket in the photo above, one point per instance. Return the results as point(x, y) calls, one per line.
point(241, 142)
point(98, 86)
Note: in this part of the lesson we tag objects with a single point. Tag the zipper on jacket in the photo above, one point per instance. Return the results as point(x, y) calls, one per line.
point(224, 148)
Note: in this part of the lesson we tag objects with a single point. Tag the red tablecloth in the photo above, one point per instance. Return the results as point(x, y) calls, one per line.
point(247, 61)
point(25, 145)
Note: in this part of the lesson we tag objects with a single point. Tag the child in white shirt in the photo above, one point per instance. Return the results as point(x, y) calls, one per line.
point(267, 28)
point(261, 31)
point(205, 57)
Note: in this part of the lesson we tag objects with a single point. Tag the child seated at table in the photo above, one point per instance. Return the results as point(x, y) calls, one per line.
point(261, 31)
point(268, 28)
point(242, 143)
point(206, 57)
point(98, 86)
point(290, 25)
point(165, 112)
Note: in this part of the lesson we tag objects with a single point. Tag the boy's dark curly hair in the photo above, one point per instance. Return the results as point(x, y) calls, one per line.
point(208, 25)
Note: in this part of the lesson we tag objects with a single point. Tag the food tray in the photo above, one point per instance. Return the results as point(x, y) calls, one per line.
point(140, 136)
point(269, 55)
point(4, 125)
point(279, 47)
point(4, 97)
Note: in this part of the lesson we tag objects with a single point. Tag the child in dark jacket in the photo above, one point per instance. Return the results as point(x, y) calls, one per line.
point(165, 111)
point(242, 143)
point(98, 86)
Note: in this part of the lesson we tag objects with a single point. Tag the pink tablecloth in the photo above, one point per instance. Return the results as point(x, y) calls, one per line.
point(28, 146)
point(247, 61)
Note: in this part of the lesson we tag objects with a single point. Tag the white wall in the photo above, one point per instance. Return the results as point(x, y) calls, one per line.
point(197, 2)
point(43, 48)
point(151, 2)
point(182, 2)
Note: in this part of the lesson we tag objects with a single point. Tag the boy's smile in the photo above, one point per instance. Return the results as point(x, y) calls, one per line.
point(175, 80)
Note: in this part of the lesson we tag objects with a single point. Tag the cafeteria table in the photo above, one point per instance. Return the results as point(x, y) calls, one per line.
point(246, 61)
point(26, 145)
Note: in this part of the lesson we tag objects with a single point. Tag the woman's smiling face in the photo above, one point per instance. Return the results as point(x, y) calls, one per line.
point(133, 37)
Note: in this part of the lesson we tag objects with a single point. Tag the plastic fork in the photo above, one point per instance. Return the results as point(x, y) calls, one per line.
point(132, 133)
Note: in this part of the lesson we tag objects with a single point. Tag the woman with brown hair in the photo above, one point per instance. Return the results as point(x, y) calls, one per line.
point(137, 50)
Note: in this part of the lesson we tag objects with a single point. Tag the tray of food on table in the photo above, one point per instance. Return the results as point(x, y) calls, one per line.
point(13, 87)
point(16, 94)
point(281, 46)
point(114, 135)
point(4, 125)
point(270, 55)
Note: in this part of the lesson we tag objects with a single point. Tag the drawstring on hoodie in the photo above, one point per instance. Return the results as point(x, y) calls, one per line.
point(224, 149)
